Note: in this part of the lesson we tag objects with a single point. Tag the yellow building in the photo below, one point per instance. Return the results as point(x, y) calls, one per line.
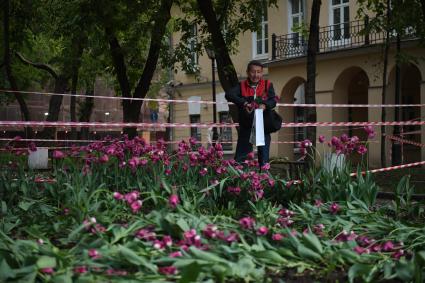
point(349, 70)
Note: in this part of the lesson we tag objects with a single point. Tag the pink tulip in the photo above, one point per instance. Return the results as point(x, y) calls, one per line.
point(306, 143)
point(203, 171)
point(285, 221)
point(118, 196)
point(277, 237)
point(168, 270)
point(132, 196)
point(370, 131)
point(247, 222)
point(232, 237)
point(388, 246)
point(344, 138)
point(80, 269)
point(334, 208)
point(168, 241)
point(104, 158)
point(322, 139)
point(32, 146)
point(266, 167)
point(361, 250)
point(57, 154)
point(210, 231)
point(175, 254)
point(173, 201)
point(136, 206)
point(47, 270)
point(94, 254)
point(286, 212)
point(335, 141)
point(263, 230)
point(398, 254)
point(361, 150)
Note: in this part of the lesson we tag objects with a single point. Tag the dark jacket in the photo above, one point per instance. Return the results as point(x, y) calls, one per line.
point(245, 119)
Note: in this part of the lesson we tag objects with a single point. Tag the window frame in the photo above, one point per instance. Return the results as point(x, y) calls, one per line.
point(195, 132)
point(264, 40)
point(194, 56)
point(222, 115)
point(342, 24)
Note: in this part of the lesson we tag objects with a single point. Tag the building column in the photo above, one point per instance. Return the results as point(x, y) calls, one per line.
point(374, 115)
point(324, 114)
point(422, 87)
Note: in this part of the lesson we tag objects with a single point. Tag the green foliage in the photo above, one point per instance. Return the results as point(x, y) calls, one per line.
point(234, 18)
point(56, 224)
point(406, 17)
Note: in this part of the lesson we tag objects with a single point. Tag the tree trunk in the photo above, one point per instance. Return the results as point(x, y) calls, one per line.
point(131, 109)
point(384, 88)
point(9, 73)
point(68, 70)
point(76, 63)
point(310, 93)
point(121, 73)
point(86, 111)
point(226, 70)
point(161, 20)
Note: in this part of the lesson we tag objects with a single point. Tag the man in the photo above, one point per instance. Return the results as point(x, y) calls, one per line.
point(243, 96)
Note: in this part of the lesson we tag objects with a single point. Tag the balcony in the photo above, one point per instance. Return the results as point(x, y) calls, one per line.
point(343, 36)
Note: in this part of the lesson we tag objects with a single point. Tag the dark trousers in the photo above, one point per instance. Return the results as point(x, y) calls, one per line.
point(244, 147)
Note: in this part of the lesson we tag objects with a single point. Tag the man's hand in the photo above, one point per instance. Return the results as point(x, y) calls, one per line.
point(248, 107)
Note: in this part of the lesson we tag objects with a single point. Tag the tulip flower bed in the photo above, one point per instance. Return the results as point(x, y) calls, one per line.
point(131, 211)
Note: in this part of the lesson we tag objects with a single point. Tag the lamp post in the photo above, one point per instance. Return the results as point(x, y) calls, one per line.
point(106, 119)
point(396, 149)
point(211, 55)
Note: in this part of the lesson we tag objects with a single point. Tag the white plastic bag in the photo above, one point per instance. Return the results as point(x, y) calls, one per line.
point(257, 131)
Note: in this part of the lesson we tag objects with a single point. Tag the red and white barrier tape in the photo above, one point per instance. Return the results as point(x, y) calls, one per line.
point(410, 133)
point(405, 141)
point(200, 125)
point(104, 141)
point(153, 141)
point(50, 140)
point(392, 168)
point(26, 148)
point(218, 102)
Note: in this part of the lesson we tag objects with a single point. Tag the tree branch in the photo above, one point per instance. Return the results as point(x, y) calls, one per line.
point(161, 19)
point(226, 70)
point(423, 11)
point(119, 62)
point(40, 66)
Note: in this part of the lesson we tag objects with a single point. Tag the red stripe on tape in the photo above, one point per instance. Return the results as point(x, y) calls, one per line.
point(218, 102)
point(200, 125)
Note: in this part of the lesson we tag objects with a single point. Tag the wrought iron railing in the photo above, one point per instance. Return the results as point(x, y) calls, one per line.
point(331, 38)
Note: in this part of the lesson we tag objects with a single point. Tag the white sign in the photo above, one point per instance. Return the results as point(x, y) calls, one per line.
point(222, 105)
point(194, 107)
point(38, 159)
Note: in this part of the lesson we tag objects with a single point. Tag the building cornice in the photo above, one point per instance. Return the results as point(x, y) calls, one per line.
point(337, 54)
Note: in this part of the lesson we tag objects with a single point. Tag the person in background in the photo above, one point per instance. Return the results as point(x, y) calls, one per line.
point(243, 96)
